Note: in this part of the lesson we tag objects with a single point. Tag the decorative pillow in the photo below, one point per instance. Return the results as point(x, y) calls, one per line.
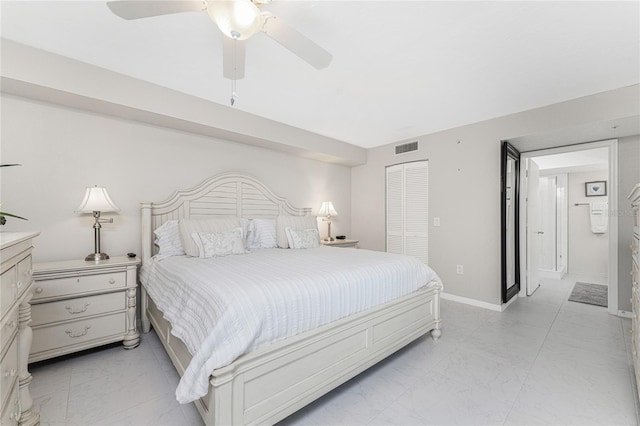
point(214, 225)
point(219, 244)
point(168, 240)
point(263, 233)
point(305, 239)
point(297, 223)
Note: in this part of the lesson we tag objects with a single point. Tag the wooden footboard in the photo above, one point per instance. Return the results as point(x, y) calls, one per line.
point(265, 386)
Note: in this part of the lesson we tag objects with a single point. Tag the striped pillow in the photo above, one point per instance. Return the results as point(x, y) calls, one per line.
point(262, 234)
point(168, 240)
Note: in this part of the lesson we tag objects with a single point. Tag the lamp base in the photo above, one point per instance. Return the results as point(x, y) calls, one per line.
point(94, 257)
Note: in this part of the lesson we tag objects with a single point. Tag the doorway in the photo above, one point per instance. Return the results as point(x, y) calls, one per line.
point(561, 227)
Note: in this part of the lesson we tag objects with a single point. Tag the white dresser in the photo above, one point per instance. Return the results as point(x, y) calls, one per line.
point(15, 333)
point(78, 305)
point(635, 282)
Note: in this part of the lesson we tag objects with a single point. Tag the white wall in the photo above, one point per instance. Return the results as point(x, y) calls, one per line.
point(464, 187)
point(588, 252)
point(63, 150)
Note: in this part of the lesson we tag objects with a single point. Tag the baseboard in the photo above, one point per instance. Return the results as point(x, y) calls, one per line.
point(473, 302)
point(625, 314)
point(555, 275)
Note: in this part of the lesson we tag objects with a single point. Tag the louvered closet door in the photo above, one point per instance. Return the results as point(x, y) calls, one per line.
point(395, 209)
point(407, 209)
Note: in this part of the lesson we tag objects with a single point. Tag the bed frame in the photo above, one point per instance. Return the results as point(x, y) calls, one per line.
point(267, 385)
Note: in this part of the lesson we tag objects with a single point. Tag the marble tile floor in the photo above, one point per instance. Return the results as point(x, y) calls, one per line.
point(543, 361)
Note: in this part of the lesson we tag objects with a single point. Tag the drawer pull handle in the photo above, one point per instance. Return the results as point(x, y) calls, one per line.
point(39, 290)
point(80, 334)
point(78, 310)
point(19, 284)
point(112, 281)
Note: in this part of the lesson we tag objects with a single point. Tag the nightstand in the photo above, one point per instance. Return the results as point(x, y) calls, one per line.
point(340, 243)
point(77, 305)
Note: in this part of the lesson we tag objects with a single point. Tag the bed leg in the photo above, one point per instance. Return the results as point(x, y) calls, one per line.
point(144, 318)
point(436, 333)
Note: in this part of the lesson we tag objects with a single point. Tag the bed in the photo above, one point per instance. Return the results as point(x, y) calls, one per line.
point(268, 383)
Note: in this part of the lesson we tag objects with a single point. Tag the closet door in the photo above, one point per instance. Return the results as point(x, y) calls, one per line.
point(395, 209)
point(408, 209)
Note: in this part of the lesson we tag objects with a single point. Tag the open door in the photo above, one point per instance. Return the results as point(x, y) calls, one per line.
point(510, 212)
point(533, 226)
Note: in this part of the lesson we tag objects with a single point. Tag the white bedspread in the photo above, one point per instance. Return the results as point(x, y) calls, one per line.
point(224, 307)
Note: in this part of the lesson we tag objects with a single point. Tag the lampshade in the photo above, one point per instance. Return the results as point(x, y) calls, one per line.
point(237, 19)
point(96, 199)
point(327, 209)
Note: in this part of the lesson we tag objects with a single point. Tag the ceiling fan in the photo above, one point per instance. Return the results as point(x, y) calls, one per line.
point(238, 20)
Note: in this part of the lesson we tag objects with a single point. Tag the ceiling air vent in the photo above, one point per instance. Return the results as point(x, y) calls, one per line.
point(407, 147)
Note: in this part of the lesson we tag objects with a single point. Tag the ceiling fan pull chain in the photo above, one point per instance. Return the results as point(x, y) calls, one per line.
point(235, 66)
point(233, 92)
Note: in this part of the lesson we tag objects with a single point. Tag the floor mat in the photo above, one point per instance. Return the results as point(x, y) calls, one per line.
point(593, 294)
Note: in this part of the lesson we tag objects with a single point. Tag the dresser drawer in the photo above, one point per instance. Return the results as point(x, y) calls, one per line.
point(8, 289)
point(68, 286)
point(11, 410)
point(8, 370)
point(47, 338)
point(8, 327)
point(24, 275)
point(70, 309)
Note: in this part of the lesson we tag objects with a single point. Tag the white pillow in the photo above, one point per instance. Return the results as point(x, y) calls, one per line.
point(305, 239)
point(262, 234)
point(168, 240)
point(297, 223)
point(245, 224)
point(214, 225)
point(219, 244)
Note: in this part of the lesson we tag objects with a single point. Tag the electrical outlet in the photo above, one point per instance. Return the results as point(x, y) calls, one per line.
point(436, 221)
point(459, 269)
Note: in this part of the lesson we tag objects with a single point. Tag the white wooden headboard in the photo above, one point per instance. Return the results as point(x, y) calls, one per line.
point(228, 194)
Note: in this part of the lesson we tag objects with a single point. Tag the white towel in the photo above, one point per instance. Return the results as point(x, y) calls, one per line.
point(598, 216)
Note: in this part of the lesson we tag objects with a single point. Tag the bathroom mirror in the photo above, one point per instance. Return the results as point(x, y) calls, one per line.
point(510, 247)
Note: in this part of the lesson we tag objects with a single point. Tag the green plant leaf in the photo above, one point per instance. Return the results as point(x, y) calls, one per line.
point(12, 215)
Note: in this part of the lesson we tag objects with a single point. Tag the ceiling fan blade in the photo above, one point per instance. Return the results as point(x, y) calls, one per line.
point(232, 58)
point(136, 9)
point(296, 42)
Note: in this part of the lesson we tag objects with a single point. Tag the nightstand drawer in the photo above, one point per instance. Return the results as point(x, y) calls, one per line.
point(58, 287)
point(9, 326)
point(8, 370)
point(8, 289)
point(47, 338)
point(70, 309)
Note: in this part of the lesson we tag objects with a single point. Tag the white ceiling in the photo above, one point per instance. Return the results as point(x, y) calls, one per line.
point(400, 69)
point(593, 159)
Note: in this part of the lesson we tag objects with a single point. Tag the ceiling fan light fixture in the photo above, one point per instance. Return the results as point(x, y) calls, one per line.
point(237, 19)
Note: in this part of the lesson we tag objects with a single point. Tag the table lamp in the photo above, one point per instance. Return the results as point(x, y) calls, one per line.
point(327, 209)
point(97, 200)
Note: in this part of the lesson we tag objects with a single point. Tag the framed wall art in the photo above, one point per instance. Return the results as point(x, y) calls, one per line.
point(596, 188)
